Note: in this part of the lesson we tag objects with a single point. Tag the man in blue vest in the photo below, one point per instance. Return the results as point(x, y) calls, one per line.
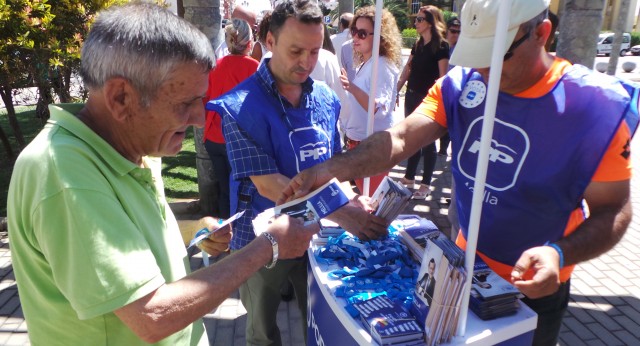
point(560, 141)
point(277, 123)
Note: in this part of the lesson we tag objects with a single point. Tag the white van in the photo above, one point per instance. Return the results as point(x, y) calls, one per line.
point(605, 41)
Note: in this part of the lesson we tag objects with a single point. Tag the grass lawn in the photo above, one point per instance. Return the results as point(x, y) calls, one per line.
point(179, 172)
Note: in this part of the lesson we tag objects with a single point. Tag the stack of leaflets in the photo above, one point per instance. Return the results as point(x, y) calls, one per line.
point(491, 295)
point(438, 292)
point(311, 208)
point(415, 231)
point(388, 322)
point(389, 199)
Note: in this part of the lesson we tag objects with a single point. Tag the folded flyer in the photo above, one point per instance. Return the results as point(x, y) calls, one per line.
point(311, 208)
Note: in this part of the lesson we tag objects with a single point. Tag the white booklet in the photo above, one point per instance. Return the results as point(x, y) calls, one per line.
point(203, 233)
point(311, 208)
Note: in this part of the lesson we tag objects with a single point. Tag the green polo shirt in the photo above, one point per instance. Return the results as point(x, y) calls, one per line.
point(90, 232)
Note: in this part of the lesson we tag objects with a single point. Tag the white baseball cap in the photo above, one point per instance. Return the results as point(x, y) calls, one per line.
point(479, 18)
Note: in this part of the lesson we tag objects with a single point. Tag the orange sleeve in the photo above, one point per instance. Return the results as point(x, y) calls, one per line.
point(432, 105)
point(616, 162)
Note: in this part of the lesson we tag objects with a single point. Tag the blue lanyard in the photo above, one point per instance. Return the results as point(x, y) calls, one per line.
point(369, 269)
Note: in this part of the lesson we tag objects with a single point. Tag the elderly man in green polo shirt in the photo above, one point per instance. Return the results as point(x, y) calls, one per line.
point(96, 251)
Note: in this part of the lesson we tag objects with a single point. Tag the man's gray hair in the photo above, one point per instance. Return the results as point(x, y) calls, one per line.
point(143, 43)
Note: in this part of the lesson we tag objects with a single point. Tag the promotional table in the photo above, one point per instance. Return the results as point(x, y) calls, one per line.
point(328, 323)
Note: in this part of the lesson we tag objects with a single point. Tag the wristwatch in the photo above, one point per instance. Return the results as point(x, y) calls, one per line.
point(274, 247)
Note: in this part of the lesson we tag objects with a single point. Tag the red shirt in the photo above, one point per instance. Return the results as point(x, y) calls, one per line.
point(229, 72)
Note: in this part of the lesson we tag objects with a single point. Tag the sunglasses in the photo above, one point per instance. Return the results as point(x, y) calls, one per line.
point(361, 33)
point(454, 31)
point(515, 45)
point(420, 19)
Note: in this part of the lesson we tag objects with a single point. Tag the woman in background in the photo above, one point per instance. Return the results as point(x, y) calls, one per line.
point(429, 60)
point(389, 62)
point(230, 70)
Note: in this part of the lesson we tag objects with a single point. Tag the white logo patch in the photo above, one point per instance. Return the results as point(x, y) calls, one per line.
point(473, 94)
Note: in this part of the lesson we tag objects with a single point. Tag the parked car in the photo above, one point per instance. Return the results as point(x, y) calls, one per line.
point(635, 50)
point(605, 41)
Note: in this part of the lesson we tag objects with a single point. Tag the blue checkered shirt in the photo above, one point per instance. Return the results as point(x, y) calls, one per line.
point(247, 159)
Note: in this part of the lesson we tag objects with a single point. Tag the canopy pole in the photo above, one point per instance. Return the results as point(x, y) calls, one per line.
point(497, 58)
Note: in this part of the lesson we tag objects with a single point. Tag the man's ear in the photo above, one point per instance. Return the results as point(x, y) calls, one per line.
point(542, 31)
point(270, 41)
point(119, 97)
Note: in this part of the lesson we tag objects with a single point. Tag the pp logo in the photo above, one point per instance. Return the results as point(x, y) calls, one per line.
point(310, 145)
point(473, 94)
point(509, 149)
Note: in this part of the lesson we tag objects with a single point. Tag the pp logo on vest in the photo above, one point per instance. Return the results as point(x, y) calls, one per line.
point(473, 94)
point(509, 148)
point(310, 145)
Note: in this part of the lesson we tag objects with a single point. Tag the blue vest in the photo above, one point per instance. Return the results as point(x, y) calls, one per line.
point(296, 138)
point(544, 152)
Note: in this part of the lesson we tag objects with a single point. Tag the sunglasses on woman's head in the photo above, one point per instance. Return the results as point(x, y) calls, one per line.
point(361, 33)
point(420, 19)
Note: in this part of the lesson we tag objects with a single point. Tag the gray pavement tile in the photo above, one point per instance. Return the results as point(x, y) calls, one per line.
point(629, 325)
point(578, 328)
point(630, 312)
point(569, 338)
point(633, 302)
point(605, 320)
point(579, 313)
point(626, 337)
point(604, 335)
point(598, 342)
point(222, 336)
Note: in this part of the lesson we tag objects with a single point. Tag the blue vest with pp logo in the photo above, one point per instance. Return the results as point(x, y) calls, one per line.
point(295, 138)
point(544, 152)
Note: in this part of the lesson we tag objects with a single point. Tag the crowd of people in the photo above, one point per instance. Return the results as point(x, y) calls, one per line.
point(96, 250)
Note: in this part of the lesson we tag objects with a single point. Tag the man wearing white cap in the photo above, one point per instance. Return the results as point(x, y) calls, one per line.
point(560, 142)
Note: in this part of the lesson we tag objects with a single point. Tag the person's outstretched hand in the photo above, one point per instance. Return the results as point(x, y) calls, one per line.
point(218, 241)
point(292, 235)
point(303, 183)
point(544, 262)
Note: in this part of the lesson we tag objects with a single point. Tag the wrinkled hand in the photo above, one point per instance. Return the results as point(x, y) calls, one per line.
point(360, 223)
point(544, 261)
point(292, 235)
point(217, 242)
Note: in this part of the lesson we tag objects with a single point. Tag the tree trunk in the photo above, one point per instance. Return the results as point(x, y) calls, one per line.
point(205, 15)
point(620, 21)
point(60, 81)
point(7, 98)
point(45, 98)
point(7, 146)
point(580, 24)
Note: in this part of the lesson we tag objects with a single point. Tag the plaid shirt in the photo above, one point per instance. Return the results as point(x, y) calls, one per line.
point(247, 159)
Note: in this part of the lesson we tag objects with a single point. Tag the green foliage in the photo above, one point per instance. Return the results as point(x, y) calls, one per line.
point(448, 15)
point(179, 172)
point(398, 8)
point(31, 126)
point(409, 37)
point(635, 38)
